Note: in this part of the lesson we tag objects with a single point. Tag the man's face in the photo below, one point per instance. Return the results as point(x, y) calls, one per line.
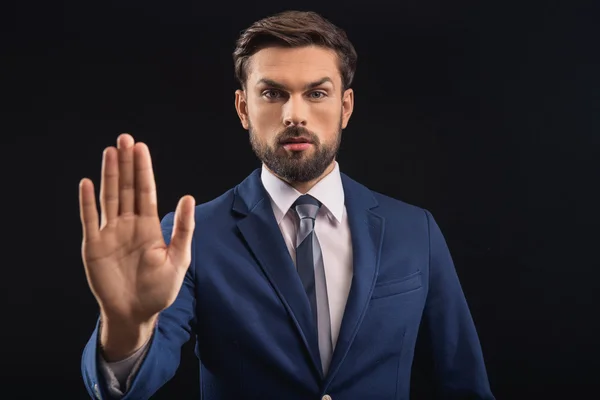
point(295, 110)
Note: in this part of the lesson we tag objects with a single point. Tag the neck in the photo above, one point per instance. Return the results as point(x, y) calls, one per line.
point(304, 187)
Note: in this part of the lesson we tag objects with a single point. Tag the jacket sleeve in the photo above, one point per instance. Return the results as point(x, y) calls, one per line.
point(458, 363)
point(173, 329)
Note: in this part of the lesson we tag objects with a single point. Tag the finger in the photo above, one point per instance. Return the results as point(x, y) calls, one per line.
point(109, 186)
point(183, 231)
point(145, 185)
point(126, 177)
point(88, 211)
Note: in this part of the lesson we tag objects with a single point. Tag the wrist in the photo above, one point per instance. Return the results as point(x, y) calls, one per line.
point(121, 338)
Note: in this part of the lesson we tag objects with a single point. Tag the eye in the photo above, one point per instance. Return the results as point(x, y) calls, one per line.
point(317, 95)
point(271, 94)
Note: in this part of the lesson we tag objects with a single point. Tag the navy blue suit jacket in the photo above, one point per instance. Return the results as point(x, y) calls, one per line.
point(243, 300)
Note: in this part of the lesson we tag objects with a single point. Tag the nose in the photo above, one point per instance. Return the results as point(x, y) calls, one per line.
point(294, 112)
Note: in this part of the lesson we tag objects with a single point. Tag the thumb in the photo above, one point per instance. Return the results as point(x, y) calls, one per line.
point(183, 231)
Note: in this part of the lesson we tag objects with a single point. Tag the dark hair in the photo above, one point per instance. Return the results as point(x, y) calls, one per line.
point(295, 29)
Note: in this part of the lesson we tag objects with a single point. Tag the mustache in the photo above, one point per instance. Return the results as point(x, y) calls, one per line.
point(294, 132)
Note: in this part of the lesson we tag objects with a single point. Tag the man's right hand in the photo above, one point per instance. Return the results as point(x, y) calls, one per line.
point(131, 271)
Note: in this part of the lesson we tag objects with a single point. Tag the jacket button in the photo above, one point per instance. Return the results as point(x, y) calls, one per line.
point(97, 391)
point(326, 397)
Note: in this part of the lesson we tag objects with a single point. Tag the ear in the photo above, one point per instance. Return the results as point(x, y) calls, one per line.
point(241, 106)
point(347, 106)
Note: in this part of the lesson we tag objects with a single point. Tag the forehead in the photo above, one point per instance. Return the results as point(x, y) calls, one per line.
point(292, 66)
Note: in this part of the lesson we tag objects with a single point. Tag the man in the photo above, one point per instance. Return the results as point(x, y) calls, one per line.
point(299, 283)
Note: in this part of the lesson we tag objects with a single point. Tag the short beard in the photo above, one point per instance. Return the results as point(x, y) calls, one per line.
point(296, 167)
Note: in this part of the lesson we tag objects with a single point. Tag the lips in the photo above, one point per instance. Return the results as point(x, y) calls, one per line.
point(296, 144)
point(296, 140)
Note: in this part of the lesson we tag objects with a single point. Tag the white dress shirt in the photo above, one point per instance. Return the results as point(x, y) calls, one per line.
point(332, 231)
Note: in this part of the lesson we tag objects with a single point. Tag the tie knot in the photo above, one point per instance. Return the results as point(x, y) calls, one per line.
point(307, 206)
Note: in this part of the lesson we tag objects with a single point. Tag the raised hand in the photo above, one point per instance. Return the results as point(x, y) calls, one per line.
point(130, 269)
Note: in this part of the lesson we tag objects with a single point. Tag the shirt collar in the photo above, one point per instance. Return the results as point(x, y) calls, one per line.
point(329, 191)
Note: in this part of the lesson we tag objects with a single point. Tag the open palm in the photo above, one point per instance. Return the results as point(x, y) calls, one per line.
point(130, 269)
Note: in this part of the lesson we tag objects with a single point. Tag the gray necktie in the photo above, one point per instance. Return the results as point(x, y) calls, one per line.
point(309, 262)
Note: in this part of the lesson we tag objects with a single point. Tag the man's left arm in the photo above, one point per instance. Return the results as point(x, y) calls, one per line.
point(450, 332)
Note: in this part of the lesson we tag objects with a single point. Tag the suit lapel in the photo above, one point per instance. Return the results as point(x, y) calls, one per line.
point(263, 236)
point(366, 229)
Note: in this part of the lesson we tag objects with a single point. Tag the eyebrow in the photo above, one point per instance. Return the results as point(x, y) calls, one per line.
point(277, 85)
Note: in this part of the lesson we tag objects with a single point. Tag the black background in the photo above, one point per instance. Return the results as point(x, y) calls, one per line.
point(487, 114)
